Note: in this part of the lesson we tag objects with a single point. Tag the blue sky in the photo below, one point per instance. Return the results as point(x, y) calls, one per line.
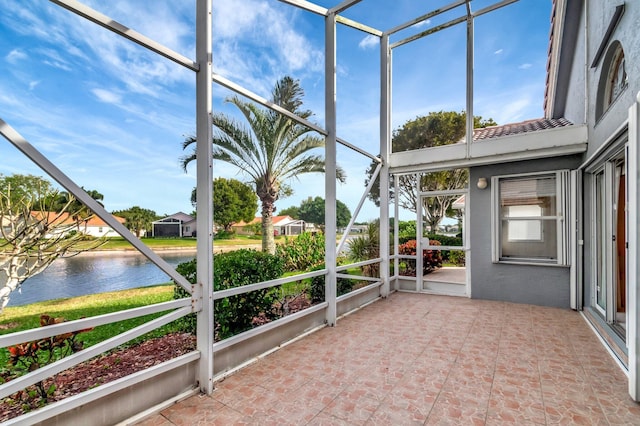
point(112, 116)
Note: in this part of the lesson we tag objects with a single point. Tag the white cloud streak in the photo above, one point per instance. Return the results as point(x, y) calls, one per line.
point(15, 56)
point(107, 96)
point(265, 34)
point(369, 42)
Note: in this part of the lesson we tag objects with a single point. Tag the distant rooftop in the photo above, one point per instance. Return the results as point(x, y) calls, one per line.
point(519, 128)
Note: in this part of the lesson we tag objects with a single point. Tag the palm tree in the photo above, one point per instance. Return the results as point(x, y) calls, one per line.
point(273, 149)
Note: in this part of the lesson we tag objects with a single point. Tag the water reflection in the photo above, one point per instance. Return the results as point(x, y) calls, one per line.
point(80, 275)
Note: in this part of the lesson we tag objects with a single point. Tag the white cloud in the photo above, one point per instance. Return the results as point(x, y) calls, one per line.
point(497, 52)
point(524, 66)
point(33, 84)
point(107, 96)
point(54, 59)
point(421, 23)
point(15, 56)
point(265, 33)
point(369, 42)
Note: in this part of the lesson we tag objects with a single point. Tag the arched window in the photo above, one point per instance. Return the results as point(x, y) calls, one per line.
point(613, 78)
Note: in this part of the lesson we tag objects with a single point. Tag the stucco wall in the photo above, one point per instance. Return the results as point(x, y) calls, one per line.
point(578, 81)
point(533, 284)
point(626, 33)
point(574, 106)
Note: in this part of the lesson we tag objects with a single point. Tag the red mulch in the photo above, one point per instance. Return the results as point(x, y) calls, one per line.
point(102, 370)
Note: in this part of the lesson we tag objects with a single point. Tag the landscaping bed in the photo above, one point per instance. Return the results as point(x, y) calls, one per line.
point(101, 370)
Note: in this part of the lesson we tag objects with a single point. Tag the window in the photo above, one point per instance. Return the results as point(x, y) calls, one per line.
point(617, 78)
point(613, 78)
point(529, 218)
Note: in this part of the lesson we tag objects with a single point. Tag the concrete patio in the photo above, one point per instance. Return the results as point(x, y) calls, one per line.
point(423, 359)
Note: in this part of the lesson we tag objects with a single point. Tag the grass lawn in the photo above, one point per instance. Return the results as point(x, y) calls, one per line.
point(27, 317)
point(119, 243)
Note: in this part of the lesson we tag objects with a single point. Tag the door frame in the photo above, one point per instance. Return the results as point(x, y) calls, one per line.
point(423, 244)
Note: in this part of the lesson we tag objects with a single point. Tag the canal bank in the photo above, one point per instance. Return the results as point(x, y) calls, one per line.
point(101, 271)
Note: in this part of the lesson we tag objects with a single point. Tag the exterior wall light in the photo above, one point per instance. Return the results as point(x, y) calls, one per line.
point(482, 183)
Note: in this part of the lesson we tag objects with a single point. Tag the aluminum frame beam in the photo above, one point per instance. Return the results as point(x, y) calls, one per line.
point(91, 322)
point(426, 16)
point(386, 70)
point(342, 6)
point(372, 181)
point(453, 22)
point(429, 32)
point(307, 5)
point(470, 80)
point(86, 354)
point(203, 290)
point(41, 415)
point(358, 26)
point(330, 169)
point(11, 135)
point(126, 32)
point(225, 82)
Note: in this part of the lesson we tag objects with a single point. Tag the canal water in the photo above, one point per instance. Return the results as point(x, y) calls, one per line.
point(89, 274)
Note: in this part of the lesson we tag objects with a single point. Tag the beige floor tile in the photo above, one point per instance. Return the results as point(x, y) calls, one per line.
point(417, 359)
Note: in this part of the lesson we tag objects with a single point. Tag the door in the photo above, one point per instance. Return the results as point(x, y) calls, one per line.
point(609, 230)
point(442, 227)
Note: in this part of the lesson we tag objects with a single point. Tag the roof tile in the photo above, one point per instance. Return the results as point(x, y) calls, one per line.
point(519, 128)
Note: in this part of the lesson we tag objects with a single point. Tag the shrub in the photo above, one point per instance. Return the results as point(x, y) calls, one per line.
point(431, 259)
point(236, 314)
point(365, 247)
point(406, 231)
point(457, 257)
point(446, 240)
point(317, 286)
point(302, 252)
point(224, 235)
point(27, 357)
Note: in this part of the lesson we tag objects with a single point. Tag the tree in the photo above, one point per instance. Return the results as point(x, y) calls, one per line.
point(24, 188)
point(137, 219)
point(436, 129)
point(33, 234)
point(272, 150)
point(233, 202)
point(365, 247)
point(312, 210)
point(293, 212)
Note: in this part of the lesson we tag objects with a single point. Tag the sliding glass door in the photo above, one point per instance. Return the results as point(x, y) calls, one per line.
point(609, 231)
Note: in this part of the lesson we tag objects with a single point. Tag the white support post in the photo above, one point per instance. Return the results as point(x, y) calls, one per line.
point(396, 233)
point(385, 150)
point(203, 290)
point(470, 58)
point(330, 157)
point(419, 234)
point(633, 252)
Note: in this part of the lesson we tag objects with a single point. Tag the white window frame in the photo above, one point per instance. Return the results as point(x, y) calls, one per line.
point(562, 224)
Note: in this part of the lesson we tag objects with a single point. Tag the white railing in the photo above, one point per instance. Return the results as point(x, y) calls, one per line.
point(45, 372)
point(200, 301)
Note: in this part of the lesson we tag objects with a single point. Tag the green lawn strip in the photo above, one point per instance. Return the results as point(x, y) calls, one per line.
point(27, 317)
point(293, 288)
point(119, 243)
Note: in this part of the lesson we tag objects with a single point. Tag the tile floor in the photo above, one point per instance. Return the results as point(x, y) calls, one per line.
point(417, 359)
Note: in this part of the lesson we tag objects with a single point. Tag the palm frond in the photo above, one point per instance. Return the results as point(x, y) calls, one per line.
point(237, 140)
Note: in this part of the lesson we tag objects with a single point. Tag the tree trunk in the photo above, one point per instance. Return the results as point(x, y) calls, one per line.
point(268, 240)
